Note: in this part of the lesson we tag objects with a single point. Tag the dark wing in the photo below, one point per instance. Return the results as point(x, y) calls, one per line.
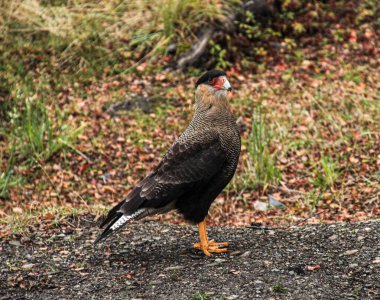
point(188, 166)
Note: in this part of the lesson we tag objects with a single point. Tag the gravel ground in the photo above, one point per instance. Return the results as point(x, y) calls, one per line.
point(155, 261)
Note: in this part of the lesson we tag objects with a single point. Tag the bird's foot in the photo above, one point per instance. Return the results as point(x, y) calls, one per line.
point(211, 247)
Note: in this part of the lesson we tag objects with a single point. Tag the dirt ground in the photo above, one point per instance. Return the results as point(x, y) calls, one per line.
point(151, 260)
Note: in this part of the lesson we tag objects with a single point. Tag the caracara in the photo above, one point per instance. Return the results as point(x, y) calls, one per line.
point(194, 170)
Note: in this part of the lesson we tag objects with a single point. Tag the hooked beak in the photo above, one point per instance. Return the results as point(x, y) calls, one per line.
point(227, 86)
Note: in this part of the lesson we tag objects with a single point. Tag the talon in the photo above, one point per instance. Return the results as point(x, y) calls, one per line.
point(218, 250)
point(207, 246)
point(222, 244)
point(197, 246)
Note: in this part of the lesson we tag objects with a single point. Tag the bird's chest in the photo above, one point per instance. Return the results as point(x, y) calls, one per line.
point(231, 144)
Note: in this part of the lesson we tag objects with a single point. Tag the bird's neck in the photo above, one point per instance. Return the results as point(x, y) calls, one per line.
point(206, 98)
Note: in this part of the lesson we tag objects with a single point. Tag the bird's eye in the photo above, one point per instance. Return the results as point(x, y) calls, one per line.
point(211, 81)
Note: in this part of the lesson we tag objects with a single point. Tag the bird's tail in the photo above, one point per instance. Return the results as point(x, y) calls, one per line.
point(117, 221)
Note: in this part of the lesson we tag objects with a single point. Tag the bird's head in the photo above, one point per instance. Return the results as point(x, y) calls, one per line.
point(214, 82)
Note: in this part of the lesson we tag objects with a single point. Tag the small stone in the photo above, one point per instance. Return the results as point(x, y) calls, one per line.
point(261, 206)
point(246, 254)
point(351, 252)
point(360, 238)
point(27, 266)
point(25, 239)
point(15, 243)
point(174, 268)
point(333, 237)
point(267, 262)
point(127, 282)
point(275, 203)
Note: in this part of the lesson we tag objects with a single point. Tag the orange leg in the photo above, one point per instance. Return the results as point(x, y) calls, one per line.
point(208, 246)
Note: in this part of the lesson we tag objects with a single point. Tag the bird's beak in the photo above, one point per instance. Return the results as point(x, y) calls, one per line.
point(227, 86)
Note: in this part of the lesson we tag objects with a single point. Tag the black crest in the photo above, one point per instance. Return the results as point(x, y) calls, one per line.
point(208, 76)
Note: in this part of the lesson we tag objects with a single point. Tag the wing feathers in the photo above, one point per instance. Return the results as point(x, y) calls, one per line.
point(190, 164)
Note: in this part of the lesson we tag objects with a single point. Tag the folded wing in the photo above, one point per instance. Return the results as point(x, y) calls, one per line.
point(188, 166)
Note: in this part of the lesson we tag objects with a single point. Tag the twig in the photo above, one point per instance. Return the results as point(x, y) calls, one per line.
point(287, 190)
point(197, 50)
point(305, 219)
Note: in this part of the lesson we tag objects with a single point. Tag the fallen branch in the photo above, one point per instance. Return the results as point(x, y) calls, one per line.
point(196, 50)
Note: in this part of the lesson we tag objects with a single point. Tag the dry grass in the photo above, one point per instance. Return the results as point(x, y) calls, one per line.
point(111, 27)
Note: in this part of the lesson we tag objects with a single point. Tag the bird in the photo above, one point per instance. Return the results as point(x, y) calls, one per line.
point(195, 169)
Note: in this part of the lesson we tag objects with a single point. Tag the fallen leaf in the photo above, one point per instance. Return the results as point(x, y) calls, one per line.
point(353, 160)
point(48, 216)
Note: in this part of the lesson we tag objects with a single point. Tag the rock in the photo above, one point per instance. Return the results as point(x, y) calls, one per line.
point(245, 254)
point(261, 206)
point(351, 252)
point(171, 49)
point(27, 266)
point(25, 239)
point(275, 203)
point(174, 268)
point(15, 243)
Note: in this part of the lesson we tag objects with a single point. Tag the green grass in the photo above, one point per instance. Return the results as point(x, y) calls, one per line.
point(88, 36)
point(18, 223)
point(200, 296)
point(261, 166)
point(312, 199)
point(8, 178)
point(327, 175)
point(35, 135)
point(279, 288)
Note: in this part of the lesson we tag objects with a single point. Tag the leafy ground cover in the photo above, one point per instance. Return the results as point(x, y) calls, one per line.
point(78, 131)
point(317, 153)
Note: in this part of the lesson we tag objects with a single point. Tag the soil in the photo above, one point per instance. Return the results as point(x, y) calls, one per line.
point(150, 260)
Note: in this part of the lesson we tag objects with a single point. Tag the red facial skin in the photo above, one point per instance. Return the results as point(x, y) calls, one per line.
point(217, 82)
